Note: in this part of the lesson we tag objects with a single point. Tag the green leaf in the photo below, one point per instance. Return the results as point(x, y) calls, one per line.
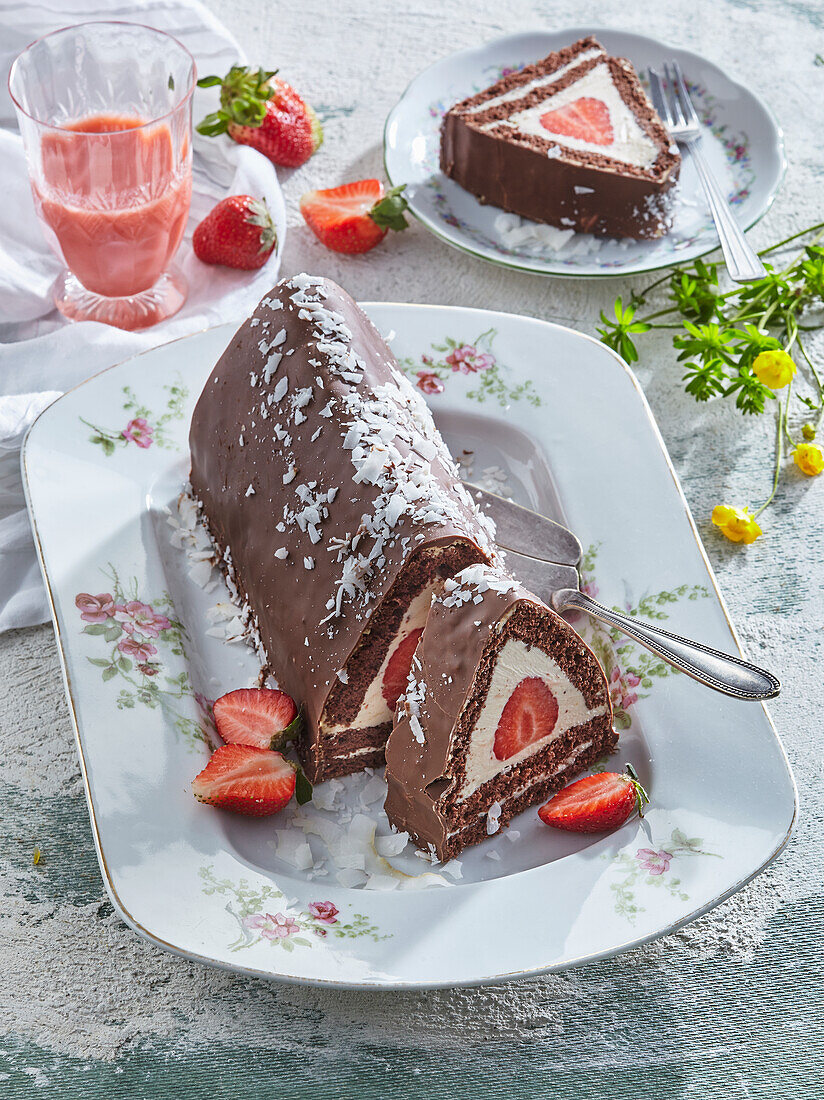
point(290, 733)
point(113, 631)
point(286, 945)
point(388, 212)
point(210, 82)
point(100, 662)
point(109, 673)
point(107, 445)
point(95, 628)
point(303, 788)
point(124, 664)
point(213, 124)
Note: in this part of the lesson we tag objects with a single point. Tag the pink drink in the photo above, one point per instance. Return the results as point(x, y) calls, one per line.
point(105, 112)
point(114, 201)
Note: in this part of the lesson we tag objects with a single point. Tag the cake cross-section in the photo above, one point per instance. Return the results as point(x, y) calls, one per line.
point(335, 508)
point(505, 704)
point(572, 141)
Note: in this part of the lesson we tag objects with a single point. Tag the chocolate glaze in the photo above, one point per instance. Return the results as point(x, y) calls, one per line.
point(454, 663)
point(285, 457)
point(537, 177)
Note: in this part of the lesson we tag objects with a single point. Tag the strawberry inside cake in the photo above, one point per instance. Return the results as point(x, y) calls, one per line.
point(572, 141)
point(505, 704)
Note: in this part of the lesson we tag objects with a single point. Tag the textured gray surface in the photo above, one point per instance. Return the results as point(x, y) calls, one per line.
point(728, 1006)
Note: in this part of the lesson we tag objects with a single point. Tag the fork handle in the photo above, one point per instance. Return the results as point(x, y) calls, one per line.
point(743, 264)
point(721, 671)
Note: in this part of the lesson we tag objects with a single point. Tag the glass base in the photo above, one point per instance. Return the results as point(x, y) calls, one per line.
point(138, 311)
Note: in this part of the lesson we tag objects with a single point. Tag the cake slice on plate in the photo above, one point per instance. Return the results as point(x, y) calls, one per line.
point(505, 704)
point(335, 508)
point(572, 141)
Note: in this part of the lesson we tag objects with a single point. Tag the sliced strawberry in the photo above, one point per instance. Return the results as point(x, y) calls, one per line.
point(596, 802)
point(354, 217)
point(261, 717)
point(397, 670)
point(586, 119)
point(530, 714)
point(245, 780)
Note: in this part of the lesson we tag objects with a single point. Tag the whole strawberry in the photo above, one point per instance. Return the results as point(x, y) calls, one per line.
point(259, 109)
point(238, 232)
point(354, 217)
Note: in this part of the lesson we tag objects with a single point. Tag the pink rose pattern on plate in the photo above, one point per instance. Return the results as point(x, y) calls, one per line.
point(143, 429)
point(137, 636)
point(475, 359)
point(653, 867)
point(260, 917)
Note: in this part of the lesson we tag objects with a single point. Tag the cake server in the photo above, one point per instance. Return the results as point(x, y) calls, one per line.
point(531, 542)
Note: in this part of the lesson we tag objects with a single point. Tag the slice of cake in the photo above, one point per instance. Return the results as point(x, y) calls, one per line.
point(335, 508)
point(572, 141)
point(505, 704)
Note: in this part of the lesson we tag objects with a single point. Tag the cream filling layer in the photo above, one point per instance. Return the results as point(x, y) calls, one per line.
point(517, 661)
point(374, 709)
point(630, 144)
point(579, 750)
point(538, 82)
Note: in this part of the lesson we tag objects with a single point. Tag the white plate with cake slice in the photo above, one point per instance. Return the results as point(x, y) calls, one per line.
point(578, 149)
point(328, 893)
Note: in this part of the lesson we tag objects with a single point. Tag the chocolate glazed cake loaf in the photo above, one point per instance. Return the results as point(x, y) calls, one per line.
point(572, 141)
point(335, 508)
point(505, 705)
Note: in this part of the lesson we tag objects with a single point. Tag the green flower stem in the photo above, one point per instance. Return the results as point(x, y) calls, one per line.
point(818, 383)
point(787, 436)
point(779, 452)
point(788, 240)
point(114, 436)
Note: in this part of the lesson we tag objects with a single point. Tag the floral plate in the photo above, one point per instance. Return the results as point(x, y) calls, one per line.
point(742, 141)
point(143, 658)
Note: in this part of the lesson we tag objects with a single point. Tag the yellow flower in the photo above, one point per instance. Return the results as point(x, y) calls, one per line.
point(774, 368)
point(736, 523)
point(809, 458)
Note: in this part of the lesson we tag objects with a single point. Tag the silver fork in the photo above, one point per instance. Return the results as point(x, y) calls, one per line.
point(673, 103)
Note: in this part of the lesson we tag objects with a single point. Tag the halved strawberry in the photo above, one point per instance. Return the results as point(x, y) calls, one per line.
point(530, 713)
point(262, 717)
point(397, 669)
point(245, 780)
point(586, 119)
point(596, 802)
point(354, 217)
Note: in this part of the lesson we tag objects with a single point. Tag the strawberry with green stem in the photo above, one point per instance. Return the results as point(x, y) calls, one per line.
point(259, 109)
point(238, 232)
point(596, 802)
point(354, 217)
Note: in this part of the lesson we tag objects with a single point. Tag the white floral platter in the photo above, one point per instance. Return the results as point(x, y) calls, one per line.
point(742, 141)
point(142, 658)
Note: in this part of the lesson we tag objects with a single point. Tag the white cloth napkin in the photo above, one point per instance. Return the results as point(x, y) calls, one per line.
point(41, 355)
